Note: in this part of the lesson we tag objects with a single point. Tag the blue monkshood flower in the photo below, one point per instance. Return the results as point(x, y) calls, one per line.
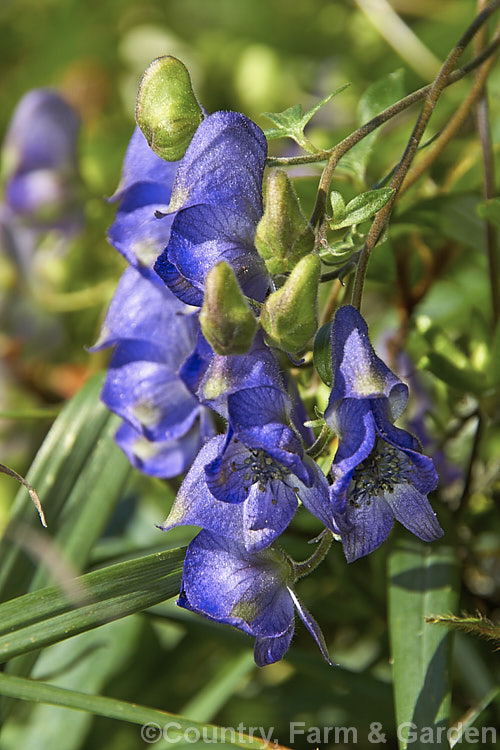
point(378, 471)
point(154, 335)
point(252, 591)
point(246, 485)
point(217, 204)
point(145, 187)
point(40, 164)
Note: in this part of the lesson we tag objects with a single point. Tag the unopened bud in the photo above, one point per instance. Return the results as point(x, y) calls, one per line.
point(283, 235)
point(226, 319)
point(167, 110)
point(289, 316)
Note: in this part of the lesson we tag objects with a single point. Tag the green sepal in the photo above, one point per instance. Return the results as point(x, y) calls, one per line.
point(284, 235)
point(226, 319)
point(322, 353)
point(289, 315)
point(167, 110)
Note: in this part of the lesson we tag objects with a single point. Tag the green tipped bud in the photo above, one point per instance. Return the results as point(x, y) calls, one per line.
point(283, 235)
point(167, 110)
point(290, 316)
point(226, 319)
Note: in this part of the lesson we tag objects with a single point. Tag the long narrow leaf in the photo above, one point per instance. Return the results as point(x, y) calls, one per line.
point(63, 454)
point(422, 583)
point(50, 615)
point(180, 730)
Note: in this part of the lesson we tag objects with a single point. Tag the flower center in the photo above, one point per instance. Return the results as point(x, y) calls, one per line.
point(378, 473)
point(259, 467)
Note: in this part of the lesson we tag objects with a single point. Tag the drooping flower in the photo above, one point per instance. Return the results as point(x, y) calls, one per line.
point(378, 471)
point(40, 164)
point(154, 335)
point(252, 591)
point(216, 204)
point(246, 485)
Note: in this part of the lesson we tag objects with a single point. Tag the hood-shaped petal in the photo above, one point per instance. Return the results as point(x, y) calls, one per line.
point(217, 201)
point(42, 134)
point(145, 188)
point(357, 371)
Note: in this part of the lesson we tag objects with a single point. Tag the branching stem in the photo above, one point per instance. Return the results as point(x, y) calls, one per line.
point(382, 217)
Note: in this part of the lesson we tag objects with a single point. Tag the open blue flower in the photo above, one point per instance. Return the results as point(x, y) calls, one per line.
point(217, 204)
point(154, 335)
point(378, 471)
point(249, 590)
point(246, 485)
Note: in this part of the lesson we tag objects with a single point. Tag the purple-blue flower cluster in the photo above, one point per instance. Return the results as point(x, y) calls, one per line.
point(175, 222)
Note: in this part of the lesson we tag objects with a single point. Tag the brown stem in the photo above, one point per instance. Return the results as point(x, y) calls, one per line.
point(383, 117)
point(484, 132)
point(430, 102)
point(452, 127)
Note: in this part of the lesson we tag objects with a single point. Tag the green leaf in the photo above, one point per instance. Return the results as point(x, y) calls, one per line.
point(376, 98)
point(87, 663)
point(322, 354)
point(338, 206)
point(79, 474)
point(362, 207)
point(291, 122)
point(53, 614)
point(42, 692)
point(422, 583)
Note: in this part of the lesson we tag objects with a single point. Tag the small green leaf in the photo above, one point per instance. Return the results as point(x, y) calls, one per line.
point(291, 122)
point(338, 206)
point(362, 207)
point(423, 582)
point(322, 354)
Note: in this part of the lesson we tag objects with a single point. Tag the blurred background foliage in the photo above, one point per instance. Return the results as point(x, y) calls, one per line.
point(428, 291)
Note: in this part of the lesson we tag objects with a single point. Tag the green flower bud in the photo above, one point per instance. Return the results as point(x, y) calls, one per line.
point(226, 319)
point(283, 234)
point(290, 316)
point(167, 110)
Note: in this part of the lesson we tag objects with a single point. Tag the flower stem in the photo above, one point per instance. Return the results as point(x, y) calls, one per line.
point(302, 569)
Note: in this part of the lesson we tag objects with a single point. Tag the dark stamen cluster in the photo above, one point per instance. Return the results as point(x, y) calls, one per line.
point(259, 467)
point(379, 473)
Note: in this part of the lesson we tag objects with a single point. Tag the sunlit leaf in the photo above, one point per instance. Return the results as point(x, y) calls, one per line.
point(422, 583)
